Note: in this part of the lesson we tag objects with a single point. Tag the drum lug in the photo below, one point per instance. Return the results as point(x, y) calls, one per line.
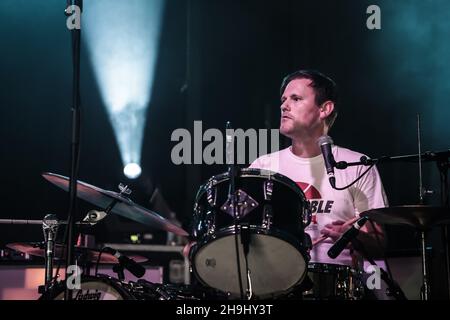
point(210, 222)
point(268, 189)
point(267, 216)
point(211, 193)
point(306, 214)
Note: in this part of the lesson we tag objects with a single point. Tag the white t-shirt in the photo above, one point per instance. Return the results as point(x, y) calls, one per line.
point(327, 203)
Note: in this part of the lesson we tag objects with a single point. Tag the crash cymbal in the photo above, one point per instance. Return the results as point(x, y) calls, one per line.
point(417, 216)
point(83, 254)
point(124, 206)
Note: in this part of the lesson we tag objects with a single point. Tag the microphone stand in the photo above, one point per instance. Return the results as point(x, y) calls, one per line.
point(50, 227)
point(75, 145)
point(426, 157)
point(442, 161)
point(232, 198)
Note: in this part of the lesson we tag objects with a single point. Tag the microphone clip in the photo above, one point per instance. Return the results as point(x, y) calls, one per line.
point(94, 216)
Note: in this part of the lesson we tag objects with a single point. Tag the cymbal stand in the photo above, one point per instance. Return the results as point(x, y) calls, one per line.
point(443, 165)
point(425, 293)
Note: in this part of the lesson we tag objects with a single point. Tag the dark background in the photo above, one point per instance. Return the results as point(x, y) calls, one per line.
point(219, 61)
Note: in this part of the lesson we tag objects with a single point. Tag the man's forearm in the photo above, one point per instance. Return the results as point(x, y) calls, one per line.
point(373, 243)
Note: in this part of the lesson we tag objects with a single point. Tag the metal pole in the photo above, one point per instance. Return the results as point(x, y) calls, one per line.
point(425, 287)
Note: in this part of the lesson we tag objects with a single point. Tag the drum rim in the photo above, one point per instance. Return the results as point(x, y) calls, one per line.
point(254, 173)
point(230, 231)
point(333, 266)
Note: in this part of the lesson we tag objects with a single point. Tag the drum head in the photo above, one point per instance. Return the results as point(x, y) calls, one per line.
point(274, 265)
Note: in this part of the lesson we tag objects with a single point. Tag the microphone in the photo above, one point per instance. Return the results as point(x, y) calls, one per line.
point(229, 146)
point(325, 142)
point(229, 149)
point(136, 269)
point(346, 237)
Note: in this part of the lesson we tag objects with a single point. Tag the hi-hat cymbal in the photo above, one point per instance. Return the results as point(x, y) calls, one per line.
point(82, 253)
point(416, 216)
point(124, 206)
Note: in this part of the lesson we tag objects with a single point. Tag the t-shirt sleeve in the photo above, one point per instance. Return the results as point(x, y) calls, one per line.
point(256, 164)
point(369, 192)
point(269, 162)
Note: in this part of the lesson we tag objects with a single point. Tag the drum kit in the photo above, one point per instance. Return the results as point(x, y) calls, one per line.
point(253, 247)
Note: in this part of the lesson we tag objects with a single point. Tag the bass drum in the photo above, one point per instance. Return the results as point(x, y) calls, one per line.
point(107, 288)
point(271, 213)
point(93, 288)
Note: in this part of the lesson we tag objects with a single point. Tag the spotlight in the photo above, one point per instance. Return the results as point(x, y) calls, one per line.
point(132, 170)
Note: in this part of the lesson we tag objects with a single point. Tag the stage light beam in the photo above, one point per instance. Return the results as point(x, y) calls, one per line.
point(122, 39)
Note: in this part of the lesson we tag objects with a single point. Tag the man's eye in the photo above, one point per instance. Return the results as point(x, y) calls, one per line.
point(296, 98)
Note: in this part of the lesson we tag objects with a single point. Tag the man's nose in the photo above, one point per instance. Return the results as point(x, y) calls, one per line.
point(284, 106)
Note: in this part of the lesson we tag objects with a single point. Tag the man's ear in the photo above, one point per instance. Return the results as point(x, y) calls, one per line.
point(326, 109)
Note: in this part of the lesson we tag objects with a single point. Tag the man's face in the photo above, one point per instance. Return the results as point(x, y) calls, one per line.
point(300, 115)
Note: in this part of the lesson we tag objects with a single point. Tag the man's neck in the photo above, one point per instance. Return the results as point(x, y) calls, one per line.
point(305, 147)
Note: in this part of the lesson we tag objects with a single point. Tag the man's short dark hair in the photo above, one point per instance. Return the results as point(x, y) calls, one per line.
point(324, 88)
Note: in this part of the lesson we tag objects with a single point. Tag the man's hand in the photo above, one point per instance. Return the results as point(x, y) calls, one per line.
point(335, 229)
point(372, 238)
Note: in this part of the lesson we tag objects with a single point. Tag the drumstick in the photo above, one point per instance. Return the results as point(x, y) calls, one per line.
point(347, 223)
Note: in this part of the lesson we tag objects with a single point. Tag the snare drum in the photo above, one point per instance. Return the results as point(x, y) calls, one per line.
point(334, 282)
point(271, 215)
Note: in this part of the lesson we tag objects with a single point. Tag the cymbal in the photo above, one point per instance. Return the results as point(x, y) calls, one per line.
point(124, 206)
point(416, 216)
point(82, 253)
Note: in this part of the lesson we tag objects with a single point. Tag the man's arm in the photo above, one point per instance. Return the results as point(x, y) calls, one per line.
point(369, 194)
point(373, 240)
point(371, 237)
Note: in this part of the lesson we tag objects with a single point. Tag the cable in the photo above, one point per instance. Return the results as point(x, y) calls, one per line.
point(357, 179)
point(98, 260)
